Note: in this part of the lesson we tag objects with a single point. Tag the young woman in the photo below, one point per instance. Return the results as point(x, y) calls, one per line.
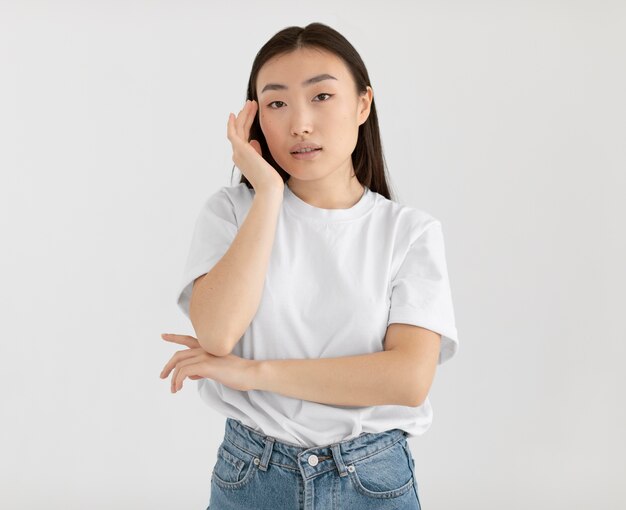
point(321, 306)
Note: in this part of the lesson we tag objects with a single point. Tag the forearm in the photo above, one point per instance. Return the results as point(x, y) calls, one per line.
point(380, 378)
point(225, 300)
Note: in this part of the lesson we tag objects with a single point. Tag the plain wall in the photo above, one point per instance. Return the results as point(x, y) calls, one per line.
point(503, 119)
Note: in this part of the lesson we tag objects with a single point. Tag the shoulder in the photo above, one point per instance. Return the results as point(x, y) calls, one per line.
point(230, 203)
point(408, 221)
point(238, 194)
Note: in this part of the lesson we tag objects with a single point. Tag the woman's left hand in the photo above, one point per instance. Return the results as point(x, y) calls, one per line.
point(196, 363)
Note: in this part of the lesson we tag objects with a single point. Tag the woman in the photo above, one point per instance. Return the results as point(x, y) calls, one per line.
point(321, 307)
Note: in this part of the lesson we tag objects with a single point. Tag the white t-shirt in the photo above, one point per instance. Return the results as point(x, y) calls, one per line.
point(336, 279)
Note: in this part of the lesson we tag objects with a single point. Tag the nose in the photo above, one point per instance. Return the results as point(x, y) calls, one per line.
point(301, 122)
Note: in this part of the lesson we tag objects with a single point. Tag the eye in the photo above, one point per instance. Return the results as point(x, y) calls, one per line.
point(322, 94)
point(270, 105)
point(325, 94)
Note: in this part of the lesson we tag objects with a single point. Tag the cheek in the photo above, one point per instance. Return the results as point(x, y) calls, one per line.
point(343, 124)
point(272, 138)
point(268, 130)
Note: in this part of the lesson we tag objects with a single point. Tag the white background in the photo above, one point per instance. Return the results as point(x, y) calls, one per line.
point(503, 119)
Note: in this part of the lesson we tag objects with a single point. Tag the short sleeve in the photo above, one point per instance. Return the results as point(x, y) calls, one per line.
point(420, 290)
point(214, 231)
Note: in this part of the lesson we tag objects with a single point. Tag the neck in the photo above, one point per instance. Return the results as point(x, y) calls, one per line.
point(327, 197)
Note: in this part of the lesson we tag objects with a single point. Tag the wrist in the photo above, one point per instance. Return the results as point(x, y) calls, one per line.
point(258, 374)
point(272, 192)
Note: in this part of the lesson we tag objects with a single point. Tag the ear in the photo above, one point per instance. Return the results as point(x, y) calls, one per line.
point(365, 103)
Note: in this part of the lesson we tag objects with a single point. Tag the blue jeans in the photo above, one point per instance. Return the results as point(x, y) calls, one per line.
point(255, 471)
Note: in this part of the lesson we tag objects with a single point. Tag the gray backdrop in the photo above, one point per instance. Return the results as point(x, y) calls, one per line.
point(503, 119)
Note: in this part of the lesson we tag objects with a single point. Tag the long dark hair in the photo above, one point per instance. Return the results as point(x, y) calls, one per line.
point(367, 158)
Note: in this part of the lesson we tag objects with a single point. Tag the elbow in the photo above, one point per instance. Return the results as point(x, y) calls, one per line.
point(213, 342)
point(217, 345)
point(215, 348)
point(417, 400)
point(416, 397)
point(417, 392)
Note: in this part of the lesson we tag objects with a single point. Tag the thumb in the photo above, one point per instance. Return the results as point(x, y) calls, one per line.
point(257, 146)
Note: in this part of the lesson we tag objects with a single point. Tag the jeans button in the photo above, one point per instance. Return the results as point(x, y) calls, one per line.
point(313, 460)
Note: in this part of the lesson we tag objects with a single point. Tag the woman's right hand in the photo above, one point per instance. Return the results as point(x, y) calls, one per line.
point(247, 156)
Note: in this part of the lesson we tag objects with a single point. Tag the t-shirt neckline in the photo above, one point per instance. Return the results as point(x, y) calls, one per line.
point(305, 210)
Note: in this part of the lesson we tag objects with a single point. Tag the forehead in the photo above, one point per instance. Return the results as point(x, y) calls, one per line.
point(291, 69)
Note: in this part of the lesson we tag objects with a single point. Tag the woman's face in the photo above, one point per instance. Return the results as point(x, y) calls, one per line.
point(326, 112)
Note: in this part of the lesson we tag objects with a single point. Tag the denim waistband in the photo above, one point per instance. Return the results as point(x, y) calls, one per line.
point(311, 461)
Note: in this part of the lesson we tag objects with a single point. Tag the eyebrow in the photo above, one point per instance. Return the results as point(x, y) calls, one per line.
point(310, 81)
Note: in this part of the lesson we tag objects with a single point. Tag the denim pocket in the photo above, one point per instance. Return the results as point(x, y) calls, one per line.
point(412, 460)
point(384, 474)
point(408, 453)
point(234, 467)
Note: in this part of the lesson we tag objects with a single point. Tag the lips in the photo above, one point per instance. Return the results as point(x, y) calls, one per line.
point(304, 145)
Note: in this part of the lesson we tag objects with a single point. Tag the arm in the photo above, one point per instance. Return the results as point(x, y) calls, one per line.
point(400, 375)
point(224, 300)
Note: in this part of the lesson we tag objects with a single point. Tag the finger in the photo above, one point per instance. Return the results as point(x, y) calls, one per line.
point(194, 367)
point(257, 146)
point(195, 377)
point(250, 119)
point(194, 361)
point(240, 120)
point(187, 340)
point(230, 127)
point(175, 360)
point(247, 118)
point(235, 127)
point(231, 131)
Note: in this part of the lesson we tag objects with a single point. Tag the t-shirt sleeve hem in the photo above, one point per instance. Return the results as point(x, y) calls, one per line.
point(184, 295)
point(449, 334)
